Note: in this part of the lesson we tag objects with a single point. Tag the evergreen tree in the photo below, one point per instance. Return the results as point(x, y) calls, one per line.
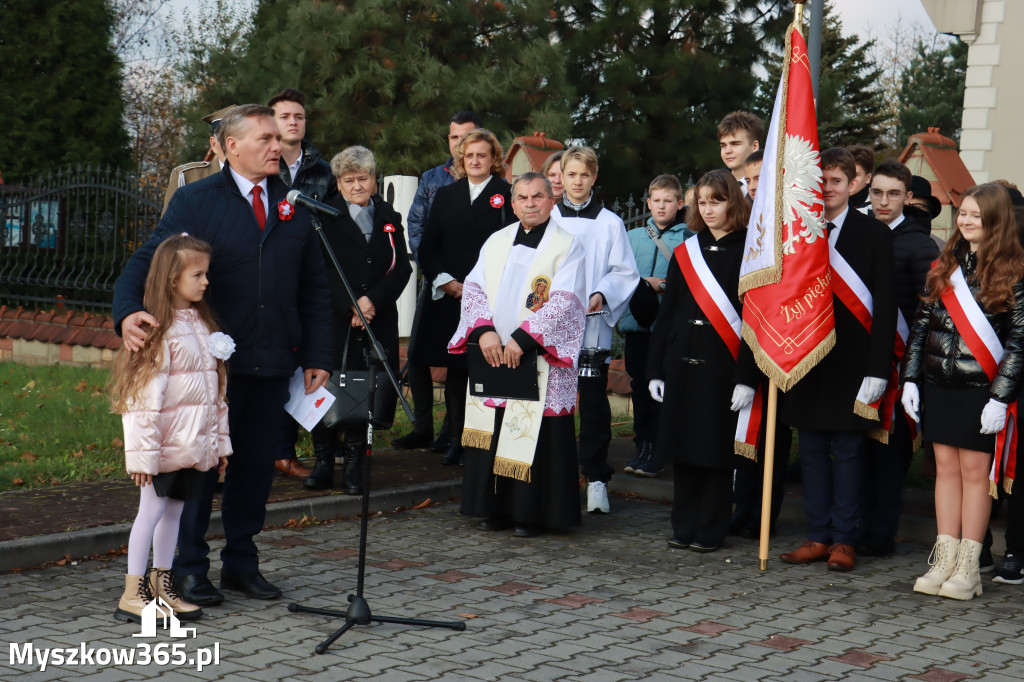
point(851, 107)
point(61, 97)
point(932, 90)
point(654, 78)
point(388, 74)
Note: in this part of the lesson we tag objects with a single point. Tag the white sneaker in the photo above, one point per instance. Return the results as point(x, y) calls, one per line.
point(597, 497)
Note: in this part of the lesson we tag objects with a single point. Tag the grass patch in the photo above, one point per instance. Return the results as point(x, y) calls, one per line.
point(56, 426)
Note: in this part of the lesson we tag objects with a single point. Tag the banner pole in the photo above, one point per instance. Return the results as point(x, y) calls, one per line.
point(769, 470)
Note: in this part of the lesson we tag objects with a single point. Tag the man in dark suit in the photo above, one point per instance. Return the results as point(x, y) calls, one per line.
point(267, 288)
point(827, 405)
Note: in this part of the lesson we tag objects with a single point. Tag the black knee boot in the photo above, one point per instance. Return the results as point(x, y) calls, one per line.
point(325, 446)
point(352, 480)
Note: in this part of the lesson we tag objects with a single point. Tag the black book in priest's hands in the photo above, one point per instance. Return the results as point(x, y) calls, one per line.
point(502, 381)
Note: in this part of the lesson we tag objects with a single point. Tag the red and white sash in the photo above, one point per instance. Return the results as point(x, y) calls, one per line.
point(893, 393)
point(856, 297)
point(717, 307)
point(984, 344)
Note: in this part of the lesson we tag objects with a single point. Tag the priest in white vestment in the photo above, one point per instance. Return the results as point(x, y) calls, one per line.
point(525, 294)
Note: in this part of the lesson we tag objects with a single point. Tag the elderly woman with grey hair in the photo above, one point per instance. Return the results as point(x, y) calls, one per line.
point(369, 242)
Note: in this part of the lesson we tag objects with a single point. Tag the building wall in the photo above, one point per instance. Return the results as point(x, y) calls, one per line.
point(994, 97)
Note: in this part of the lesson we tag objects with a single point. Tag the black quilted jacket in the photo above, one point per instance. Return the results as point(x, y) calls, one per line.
point(938, 355)
point(314, 178)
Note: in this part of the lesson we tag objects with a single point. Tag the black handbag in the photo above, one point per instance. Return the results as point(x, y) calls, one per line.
point(351, 391)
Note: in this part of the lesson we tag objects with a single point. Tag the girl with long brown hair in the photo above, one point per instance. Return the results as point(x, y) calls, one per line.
point(170, 395)
point(961, 371)
point(697, 426)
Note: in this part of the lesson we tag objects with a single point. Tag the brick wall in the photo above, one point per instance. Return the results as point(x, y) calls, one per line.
point(57, 337)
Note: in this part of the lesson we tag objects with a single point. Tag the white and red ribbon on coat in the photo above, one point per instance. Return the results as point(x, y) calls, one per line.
point(893, 392)
point(717, 307)
point(855, 295)
point(984, 344)
point(390, 229)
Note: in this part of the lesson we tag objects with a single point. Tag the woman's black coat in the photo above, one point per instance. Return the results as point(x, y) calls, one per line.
point(453, 235)
point(368, 267)
point(696, 426)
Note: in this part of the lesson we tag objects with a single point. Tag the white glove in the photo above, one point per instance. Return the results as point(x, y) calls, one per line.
point(911, 400)
point(657, 389)
point(742, 396)
point(872, 389)
point(993, 417)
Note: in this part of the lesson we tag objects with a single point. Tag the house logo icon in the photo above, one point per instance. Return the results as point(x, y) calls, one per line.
point(159, 608)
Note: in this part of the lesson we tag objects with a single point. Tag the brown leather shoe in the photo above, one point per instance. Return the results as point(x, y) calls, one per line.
point(842, 558)
point(806, 553)
point(291, 467)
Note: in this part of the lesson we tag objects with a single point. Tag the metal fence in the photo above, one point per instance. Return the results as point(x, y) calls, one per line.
point(65, 236)
point(632, 213)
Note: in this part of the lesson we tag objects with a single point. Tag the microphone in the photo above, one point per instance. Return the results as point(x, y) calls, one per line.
point(297, 198)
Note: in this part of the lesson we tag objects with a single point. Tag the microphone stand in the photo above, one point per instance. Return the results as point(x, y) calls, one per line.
point(358, 612)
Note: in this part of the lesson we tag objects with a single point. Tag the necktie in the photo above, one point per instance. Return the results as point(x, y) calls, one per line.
point(258, 208)
point(831, 227)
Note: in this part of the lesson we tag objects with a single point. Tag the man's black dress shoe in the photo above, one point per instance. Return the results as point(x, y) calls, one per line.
point(493, 524)
point(453, 457)
point(441, 444)
point(676, 543)
point(198, 590)
point(527, 531)
point(412, 440)
point(251, 584)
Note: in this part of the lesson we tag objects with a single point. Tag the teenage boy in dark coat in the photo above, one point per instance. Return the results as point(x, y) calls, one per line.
point(821, 406)
point(914, 251)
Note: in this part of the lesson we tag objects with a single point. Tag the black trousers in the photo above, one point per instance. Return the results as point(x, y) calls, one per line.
point(885, 467)
point(595, 427)
point(258, 425)
point(455, 401)
point(701, 504)
point(645, 408)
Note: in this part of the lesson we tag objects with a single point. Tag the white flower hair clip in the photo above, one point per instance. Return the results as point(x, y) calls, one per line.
point(221, 345)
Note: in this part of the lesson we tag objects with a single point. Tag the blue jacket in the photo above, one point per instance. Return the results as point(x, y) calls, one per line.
point(268, 290)
point(650, 262)
point(431, 181)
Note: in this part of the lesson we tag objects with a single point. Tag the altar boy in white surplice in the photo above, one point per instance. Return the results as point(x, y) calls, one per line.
point(525, 294)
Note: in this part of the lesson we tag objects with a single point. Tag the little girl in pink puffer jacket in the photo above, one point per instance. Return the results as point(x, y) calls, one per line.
point(171, 398)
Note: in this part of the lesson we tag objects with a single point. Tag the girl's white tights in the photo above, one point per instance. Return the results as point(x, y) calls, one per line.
point(157, 521)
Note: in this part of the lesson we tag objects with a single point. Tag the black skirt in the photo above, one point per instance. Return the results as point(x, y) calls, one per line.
point(551, 499)
point(183, 484)
point(952, 416)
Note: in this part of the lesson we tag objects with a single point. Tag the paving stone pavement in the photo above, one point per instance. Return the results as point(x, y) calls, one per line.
point(609, 602)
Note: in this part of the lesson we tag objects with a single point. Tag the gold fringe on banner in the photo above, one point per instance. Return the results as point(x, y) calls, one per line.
point(471, 438)
point(993, 490)
point(864, 410)
point(771, 370)
point(1008, 485)
point(510, 468)
point(745, 450)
